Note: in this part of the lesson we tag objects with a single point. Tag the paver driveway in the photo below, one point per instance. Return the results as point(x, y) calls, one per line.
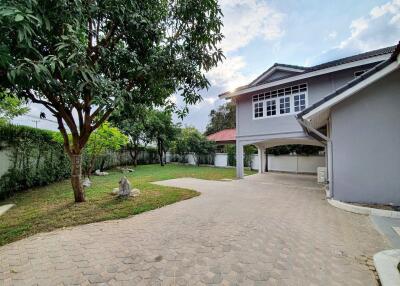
point(264, 230)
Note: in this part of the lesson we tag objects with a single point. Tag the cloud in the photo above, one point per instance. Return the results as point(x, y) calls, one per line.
point(380, 28)
point(228, 75)
point(246, 20)
point(332, 35)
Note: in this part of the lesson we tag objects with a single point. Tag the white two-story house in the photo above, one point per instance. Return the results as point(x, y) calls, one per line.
point(350, 105)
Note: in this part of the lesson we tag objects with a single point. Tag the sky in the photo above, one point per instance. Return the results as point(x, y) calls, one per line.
point(259, 33)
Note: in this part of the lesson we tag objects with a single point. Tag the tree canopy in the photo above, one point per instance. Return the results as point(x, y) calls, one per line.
point(82, 59)
point(224, 117)
point(10, 107)
point(133, 122)
point(104, 139)
point(190, 140)
point(161, 130)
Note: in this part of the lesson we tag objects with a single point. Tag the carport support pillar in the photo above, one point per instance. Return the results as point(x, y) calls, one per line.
point(239, 160)
point(261, 159)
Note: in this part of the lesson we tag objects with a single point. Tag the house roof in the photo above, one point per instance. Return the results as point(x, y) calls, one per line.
point(329, 101)
point(309, 70)
point(226, 135)
point(277, 66)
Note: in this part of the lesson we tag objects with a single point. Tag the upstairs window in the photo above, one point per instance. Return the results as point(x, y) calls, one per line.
point(299, 102)
point(271, 107)
point(284, 105)
point(258, 109)
point(283, 101)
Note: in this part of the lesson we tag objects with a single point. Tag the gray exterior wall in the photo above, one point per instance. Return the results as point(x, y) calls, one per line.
point(318, 87)
point(365, 133)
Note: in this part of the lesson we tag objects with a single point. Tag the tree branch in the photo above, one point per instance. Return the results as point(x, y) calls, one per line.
point(64, 134)
point(102, 119)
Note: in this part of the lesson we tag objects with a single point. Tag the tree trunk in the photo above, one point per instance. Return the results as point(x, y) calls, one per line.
point(103, 163)
point(76, 177)
point(160, 152)
point(134, 154)
point(90, 167)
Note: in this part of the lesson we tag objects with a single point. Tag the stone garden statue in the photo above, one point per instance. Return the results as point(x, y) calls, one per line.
point(125, 189)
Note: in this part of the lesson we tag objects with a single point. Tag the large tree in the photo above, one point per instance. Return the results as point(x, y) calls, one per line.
point(223, 117)
point(82, 58)
point(161, 130)
point(190, 140)
point(133, 121)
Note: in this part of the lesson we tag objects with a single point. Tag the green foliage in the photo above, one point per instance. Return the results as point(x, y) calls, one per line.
point(36, 160)
point(161, 130)
point(83, 59)
point(298, 149)
point(248, 151)
point(231, 151)
point(222, 118)
point(190, 140)
point(107, 53)
point(105, 138)
point(10, 107)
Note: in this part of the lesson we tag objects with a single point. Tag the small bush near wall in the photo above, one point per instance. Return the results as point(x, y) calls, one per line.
point(206, 159)
point(248, 151)
point(231, 151)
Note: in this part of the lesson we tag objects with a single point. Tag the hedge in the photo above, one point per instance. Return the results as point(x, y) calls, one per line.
point(37, 160)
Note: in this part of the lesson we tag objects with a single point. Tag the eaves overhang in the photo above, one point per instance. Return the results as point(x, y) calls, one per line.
point(319, 111)
point(305, 75)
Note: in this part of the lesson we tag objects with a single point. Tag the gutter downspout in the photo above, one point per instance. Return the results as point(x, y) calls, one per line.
point(328, 142)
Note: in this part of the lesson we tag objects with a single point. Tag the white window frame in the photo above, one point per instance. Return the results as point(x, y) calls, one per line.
point(254, 109)
point(305, 99)
point(291, 105)
point(277, 95)
point(266, 107)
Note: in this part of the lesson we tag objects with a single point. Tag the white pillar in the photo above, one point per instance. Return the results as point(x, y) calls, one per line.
point(261, 159)
point(239, 160)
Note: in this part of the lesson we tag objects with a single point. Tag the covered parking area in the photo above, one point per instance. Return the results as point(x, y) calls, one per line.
point(269, 141)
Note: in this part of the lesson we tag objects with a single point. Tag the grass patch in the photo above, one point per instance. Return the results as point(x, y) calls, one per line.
point(51, 207)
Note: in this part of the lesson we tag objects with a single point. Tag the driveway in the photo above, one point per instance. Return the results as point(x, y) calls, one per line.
point(270, 229)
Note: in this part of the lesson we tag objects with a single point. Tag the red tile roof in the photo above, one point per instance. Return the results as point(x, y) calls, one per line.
point(227, 135)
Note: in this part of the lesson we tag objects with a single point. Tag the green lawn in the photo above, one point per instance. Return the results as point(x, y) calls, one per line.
point(50, 207)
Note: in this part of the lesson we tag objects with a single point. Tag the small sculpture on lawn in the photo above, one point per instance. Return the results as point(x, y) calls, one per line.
point(125, 189)
point(100, 173)
point(86, 183)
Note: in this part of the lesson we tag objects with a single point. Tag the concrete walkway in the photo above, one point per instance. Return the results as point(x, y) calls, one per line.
point(5, 208)
point(264, 230)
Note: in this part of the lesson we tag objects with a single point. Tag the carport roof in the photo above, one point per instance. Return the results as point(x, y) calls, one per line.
point(223, 136)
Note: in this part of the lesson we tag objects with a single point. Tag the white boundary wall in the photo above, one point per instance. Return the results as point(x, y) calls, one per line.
point(291, 163)
point(221, 160)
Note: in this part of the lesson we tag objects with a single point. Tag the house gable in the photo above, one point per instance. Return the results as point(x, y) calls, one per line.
point(277, 71)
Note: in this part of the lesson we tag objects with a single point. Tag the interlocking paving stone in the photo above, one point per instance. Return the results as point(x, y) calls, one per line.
point(270, 229)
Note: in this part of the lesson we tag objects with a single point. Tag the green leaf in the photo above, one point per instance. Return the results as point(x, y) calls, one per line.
point(18, 18)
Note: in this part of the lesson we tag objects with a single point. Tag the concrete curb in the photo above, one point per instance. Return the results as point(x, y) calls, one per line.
point(386, 265)
point(5, 208)
point(363, 210)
